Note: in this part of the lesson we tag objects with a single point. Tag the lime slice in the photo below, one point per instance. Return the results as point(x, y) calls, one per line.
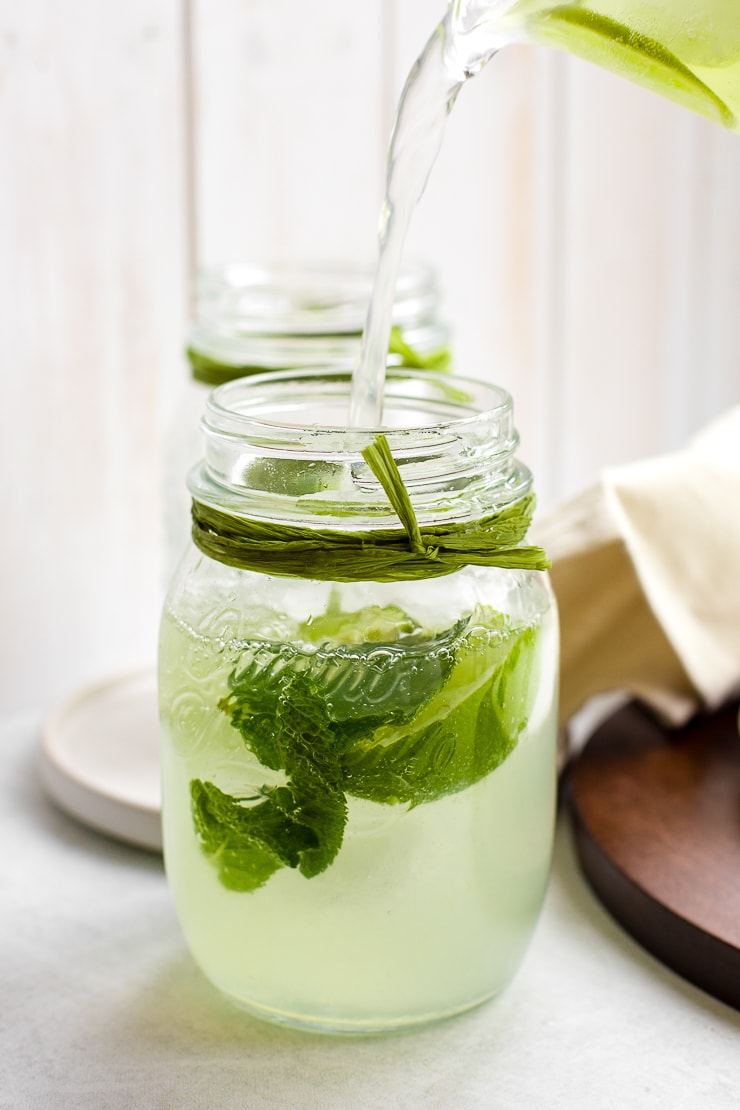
point(376, 624)
point(615, 46)
point(293, 477)
point(463, 732)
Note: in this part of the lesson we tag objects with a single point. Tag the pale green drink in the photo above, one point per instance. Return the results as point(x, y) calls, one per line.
point(425, 909)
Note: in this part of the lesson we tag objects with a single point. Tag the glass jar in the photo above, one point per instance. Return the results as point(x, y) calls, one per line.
point(256, 318)
point(358, 741)
point(260, 318)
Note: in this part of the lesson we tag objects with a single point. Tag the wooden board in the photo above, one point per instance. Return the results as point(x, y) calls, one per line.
point(657, 824)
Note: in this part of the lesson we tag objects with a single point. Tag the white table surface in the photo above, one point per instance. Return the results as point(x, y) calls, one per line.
point(102, 1007)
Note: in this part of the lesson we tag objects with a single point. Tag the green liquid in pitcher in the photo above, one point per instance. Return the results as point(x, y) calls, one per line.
point(358, 816)
point(689, 52)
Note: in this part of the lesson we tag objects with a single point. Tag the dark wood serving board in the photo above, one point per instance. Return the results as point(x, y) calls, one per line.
point(656, 815)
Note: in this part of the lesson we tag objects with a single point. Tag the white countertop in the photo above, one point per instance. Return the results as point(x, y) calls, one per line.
point(103, 1008)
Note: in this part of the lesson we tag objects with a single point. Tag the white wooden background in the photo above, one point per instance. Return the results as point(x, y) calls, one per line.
point(586, 235)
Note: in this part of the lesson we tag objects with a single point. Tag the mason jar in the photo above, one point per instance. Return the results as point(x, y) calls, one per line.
point(251, 318)
point(358, 688)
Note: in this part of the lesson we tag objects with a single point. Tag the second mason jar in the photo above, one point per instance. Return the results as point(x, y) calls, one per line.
point(358, 686)
point(253, 318)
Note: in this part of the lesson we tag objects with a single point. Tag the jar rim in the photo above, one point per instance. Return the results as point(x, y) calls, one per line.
point(243, 407)
point(263, 452)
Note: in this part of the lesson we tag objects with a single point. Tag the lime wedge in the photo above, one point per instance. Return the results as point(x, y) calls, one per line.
point(467, 728)
point(375, 624)
point(293, 477)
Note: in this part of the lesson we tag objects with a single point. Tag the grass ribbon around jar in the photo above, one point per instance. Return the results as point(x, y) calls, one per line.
point(378, 555)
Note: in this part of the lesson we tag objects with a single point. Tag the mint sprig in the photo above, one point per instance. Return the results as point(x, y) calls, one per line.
point(299, 825)
point(400, 722)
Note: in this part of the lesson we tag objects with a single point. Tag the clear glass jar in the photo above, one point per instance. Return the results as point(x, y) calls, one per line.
point(256, 318)
point(358, 776)
point(260, 318)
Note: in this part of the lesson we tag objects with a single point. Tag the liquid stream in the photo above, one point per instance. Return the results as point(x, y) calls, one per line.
point(688, 50)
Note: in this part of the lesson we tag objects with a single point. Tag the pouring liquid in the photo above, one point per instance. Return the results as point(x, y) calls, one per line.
point(686, 50)
point(428, 96)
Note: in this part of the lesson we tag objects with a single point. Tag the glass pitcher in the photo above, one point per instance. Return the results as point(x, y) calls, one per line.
point(688, 50)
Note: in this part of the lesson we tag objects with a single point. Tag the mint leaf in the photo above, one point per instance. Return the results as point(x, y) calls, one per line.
point(248, 843)
point(299, 825)
point(312, 764)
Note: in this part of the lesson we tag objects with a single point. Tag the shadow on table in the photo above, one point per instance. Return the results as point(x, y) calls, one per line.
point(183, 1010)
point(184, 1020)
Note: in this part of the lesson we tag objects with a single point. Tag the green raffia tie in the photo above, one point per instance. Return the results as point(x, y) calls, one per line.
point(209, 371)
point(372, 555)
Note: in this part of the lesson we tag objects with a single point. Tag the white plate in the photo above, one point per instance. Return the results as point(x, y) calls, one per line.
point(100, 758)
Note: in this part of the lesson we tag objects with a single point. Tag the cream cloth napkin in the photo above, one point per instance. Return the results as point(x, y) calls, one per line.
point(646, 570)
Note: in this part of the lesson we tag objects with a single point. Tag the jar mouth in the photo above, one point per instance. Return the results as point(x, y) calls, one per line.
point(309, 405)
point(278, 447)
